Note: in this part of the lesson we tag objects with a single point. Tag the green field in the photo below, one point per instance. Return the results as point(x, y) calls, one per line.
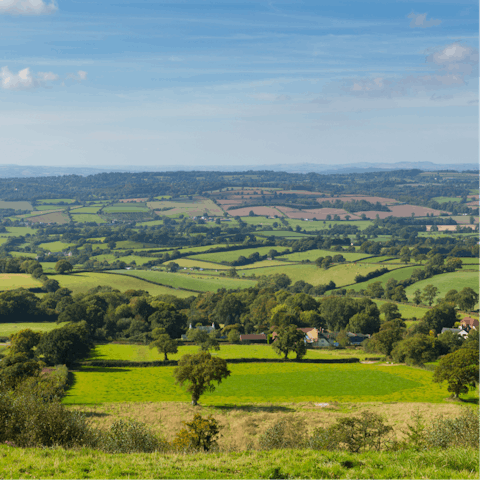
point(446, 199)
point(43, 208)
point(141, 353)
point(341, 274)
point(86, 210)
point(398, 274)
point(82, 282)
point(447, 281)
point(55, 246)
point(54, 201)
point(189, 281)
point(126, 208)
point(110, 258)
point(407, 311)
point(10, 281)
point(190, 263)
point(7, 329)
point(15, 205)
point(262, 382)
point(312, 255)
point(233, 255)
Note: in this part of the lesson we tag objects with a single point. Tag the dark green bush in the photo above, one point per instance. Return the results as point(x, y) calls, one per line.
point(286, 433)
point(199, 434)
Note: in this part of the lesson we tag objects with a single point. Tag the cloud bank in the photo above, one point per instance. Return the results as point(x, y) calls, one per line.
point(27, 7)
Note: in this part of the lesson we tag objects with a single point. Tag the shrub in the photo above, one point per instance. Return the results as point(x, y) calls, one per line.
point(199, 434)
point(125, 436)
point(286, 433)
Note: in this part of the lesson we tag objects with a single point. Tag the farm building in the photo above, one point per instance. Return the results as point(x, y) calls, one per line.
point(469, 322)
point(253, 338)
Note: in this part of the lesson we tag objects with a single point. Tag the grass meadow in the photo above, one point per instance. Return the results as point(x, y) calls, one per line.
point(312, 255)
point(192, 281)
point(341, 274)
point(446, 282)
point(10, 281)
point(233, 255)
point(7, 329)
point(85, 463)
point(82, 282)
point(398, 274)
point(262, 382)
point(87, 217)
point(407, 311)
point(141, 353)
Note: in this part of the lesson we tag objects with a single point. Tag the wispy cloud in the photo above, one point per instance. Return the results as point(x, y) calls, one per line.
point(25, 80)
point(419, 20)
point(27, 7)
point(453, 64)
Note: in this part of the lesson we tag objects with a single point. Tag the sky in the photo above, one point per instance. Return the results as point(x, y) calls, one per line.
point(117, 83)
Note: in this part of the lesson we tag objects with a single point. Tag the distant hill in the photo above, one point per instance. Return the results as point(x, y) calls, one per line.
point(12, 171)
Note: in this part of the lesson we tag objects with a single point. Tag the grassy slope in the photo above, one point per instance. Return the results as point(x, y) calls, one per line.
point(82, 282)
point(10, 281)
point(340, 274)
point(7, 329)
point(233, 255)
point(263, 382)
point(189, 281)
point(447, 281)
point(407, 311)
point(58, 463)
point(398, 274)
point(312, 255)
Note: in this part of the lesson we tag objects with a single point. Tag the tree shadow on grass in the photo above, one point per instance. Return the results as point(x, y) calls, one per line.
point(254, 408)
point(472, 401)
point(95, 414)
point(102, 369)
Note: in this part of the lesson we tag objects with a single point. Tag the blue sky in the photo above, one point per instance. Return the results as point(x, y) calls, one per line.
point(203, 83)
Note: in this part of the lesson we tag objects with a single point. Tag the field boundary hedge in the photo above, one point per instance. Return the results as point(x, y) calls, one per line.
point(173, 363)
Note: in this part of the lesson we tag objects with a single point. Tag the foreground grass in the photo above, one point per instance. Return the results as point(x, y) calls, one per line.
point(263, 382)
point(86, 463)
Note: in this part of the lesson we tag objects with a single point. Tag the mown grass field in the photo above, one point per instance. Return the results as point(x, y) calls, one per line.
point(341, 274)
point(82, 282)
point(189, 281)
point(407, 311)
point(262, 382)
point(110, 258)
point(55, 246)
point(7, 329)
point(141, 353)
point(15, 205)
point(447, 281)
point(312, 255)
point(54, 201)
point(125, 208)
point(85, 463)
point(87, 217)
point(233, 255)
point(10, 281)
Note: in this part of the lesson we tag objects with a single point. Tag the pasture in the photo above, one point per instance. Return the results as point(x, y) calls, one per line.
point(57, 246)
point(142, 353)
point(15, 205)
point(261, 383)
point(125, 208)
point(54, 201)
point(341, 274)
point(93, 209)
point(192, 281)
point(447, 281)
point(397, 274)
point(312, 255)
point(11, 281)
point(407, 311)
point(234, 254)
point(7, 329)
point(82, 282)
point(56, 217)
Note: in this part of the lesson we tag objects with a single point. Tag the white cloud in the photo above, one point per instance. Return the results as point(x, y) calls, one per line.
point(419, 20)
point(27, 7)
point(23, 80)
point(455, 58)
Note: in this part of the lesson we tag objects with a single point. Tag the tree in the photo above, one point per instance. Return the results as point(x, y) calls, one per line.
point(198, 371)
point(390, 311)
point(389, 335)
point(63, 266)
point(459, 369)
point(289, 339)
point(206, 341)
point(173, 267)
point(466, 298)
point(51, 285)
point(23, 342)
point(416, 350)
point(362, 322)
point(15, 369)
point(440, 316)
point(417, 297)
point(233, 336)
point(429, 293)
point(163, 343)
point(449, 342)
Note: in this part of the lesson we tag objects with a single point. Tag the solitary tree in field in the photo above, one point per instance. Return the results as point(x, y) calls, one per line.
point(290, 339)
point(198, 372)
point(163, 343)
point(459, 369)
point(429, 293)
point(417, 297)
point(63, 266)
